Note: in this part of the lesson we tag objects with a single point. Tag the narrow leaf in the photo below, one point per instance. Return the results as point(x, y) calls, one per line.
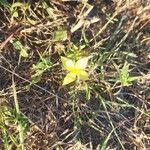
point(60, 35)
point(18, 46)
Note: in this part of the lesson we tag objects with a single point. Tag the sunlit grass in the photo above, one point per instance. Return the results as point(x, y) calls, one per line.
point(76, 74)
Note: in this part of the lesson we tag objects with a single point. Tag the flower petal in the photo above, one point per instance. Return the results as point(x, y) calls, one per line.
point(82, 63)
point(67, 63)
point(70, 77)
point(82, 75)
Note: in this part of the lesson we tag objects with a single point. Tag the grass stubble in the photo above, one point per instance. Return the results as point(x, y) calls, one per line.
point(110, 110)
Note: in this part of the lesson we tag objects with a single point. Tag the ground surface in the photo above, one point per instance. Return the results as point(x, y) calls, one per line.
point(110, 110)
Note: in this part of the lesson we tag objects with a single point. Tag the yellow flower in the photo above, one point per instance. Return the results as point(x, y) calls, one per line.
point(76, 69)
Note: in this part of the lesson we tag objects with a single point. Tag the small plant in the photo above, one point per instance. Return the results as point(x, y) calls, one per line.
point(60, 35)
point(76, 69)
point(19, 47)
point(10, 120)
point(75, 52)
point(49, 10)
point(124, 76)
point(39, 68)
point(17, 10)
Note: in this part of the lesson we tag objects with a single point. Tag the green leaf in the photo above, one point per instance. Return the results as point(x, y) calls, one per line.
point(24, 53)
point(4, 2)
point(17, 4)
point(125, 77)
point(18, 46)
point(130, 54)
point(49, 10)
point(88, 92)
point(133, 79)
point(39, 68)
point(70, 77)
point(60, 35)
point(15, 14)
point(13, 139)
point(36, 78)
point(31, 21)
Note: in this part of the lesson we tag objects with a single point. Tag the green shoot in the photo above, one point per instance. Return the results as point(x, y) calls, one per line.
point(124, 77)
point(19, 47)
point(39, 68)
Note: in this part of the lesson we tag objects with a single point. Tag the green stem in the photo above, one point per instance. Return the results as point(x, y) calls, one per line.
point(20, 128)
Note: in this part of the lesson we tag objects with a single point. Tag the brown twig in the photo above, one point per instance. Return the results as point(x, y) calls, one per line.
point(9, 38)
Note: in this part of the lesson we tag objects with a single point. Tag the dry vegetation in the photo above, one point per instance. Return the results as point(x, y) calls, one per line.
point(110, 111)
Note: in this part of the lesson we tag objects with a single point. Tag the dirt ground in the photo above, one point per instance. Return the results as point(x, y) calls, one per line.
point(60, 117)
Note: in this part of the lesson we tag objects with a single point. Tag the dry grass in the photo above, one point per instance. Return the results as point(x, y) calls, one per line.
point(107, 112)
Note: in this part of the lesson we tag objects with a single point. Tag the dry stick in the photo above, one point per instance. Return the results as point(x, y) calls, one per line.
point(110, 20)
point(9, 38)
point(111, 123)
point(105, 26)
point(6, 41)
point(82, 18)
point(17, 106)
point(127, 34)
